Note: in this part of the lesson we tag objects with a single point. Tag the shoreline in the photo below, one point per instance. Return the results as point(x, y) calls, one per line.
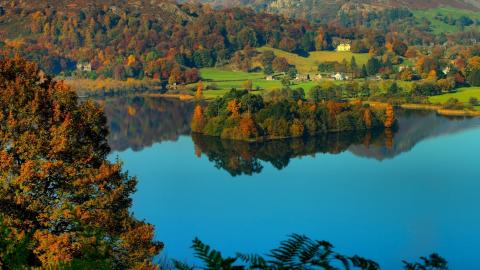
point(440, 110)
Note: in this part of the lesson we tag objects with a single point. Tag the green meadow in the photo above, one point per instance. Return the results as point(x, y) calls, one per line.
point(463, 95)
point(310, 64)
point(439, 26)
point(219, 74)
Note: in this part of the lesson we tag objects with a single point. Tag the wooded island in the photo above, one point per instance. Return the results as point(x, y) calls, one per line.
point(240, 115)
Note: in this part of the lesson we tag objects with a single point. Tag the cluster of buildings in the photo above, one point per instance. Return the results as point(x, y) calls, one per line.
point(318, 77)
point(315, 78)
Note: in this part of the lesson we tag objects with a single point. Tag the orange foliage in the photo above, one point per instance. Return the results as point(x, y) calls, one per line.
point(389, 116)
point(234, 107)
point(389, 47)
point(199, 93)
point(367, 118)
point(474, 62)
point(131, 111)
point(61, 188)
point(198, 119)
point(247, 127)
point(432, 75)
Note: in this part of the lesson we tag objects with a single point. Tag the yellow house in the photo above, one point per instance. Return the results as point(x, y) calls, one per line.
point(343, 47)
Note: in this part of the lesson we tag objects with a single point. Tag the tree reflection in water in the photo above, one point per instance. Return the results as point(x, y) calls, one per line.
point(244, 158)
point(139, 122)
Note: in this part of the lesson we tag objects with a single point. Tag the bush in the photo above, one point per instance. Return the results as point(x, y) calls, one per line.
point(453, 104)
point(474, 101)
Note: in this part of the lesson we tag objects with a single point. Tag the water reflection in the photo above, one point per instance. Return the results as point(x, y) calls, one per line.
point(238, 157)
point(139, 122)
point(414, 127)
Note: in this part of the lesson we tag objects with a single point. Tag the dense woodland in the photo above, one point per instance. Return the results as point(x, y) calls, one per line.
point(163, 40)
point(120, 42)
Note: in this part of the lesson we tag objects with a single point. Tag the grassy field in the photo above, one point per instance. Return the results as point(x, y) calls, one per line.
point(463, 95)
point(217, 74)
point(441, 27)
point(310, 64)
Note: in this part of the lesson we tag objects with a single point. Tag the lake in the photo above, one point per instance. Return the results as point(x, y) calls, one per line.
point(386, 196)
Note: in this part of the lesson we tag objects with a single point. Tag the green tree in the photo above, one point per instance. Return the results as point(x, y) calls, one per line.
point(353, 66)
point(363, 72)
point(373, 66)
point(474, 77)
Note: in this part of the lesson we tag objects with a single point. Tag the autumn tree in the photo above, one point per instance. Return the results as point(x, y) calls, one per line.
point(199, 93)
point(198, 119)
point(233, 107)
point(389, 116)
point(248, 127)
point(367, 118)
point(58, 191)
point(280, 64)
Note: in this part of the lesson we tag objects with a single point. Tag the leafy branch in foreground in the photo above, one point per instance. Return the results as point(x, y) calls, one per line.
point(433, 262)
point(297, 252)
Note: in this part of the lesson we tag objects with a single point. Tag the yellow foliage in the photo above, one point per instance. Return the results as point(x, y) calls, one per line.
point(131, 60)
point(131, 111)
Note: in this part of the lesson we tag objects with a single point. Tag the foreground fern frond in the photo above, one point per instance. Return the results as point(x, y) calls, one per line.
point(298, 252)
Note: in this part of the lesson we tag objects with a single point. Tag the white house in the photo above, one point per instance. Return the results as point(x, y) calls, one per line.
point(446, 70)
point(269, 78)
point(339, 77)
point(344, 47)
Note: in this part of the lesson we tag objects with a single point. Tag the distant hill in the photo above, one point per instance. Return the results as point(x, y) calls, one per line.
point(120, 39)
point(318, 10)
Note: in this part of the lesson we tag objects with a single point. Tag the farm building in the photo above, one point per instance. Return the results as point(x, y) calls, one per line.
point(84, 67)
point(317, 77)
point(339, 77)
point(302, 77)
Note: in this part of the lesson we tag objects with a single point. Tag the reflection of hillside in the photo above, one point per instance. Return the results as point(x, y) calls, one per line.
point(139, 122)
point(414, 127)
point(238, 157)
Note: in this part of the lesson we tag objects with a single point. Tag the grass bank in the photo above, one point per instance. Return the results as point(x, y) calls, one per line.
point(440, 110)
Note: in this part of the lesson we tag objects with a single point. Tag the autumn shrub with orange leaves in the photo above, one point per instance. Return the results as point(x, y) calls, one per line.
point(240, 115)
point(61, 201)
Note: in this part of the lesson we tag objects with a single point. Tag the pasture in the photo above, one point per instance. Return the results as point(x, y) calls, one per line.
point(439, 26)
point(310, 64)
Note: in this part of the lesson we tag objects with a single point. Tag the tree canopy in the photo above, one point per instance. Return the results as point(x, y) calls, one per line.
point(61, 200)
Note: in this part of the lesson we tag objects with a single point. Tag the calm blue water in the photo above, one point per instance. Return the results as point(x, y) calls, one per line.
point(389, 201)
